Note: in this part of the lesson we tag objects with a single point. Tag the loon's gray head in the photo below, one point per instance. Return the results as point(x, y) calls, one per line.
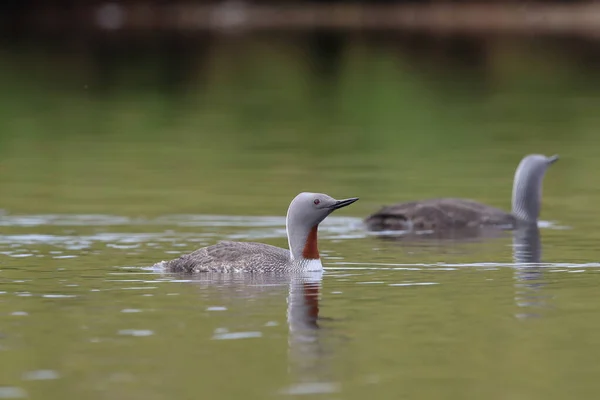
point(304, 215)
point(527, 186)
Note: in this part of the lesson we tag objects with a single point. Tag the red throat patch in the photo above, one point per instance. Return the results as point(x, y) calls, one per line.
point(311, 252)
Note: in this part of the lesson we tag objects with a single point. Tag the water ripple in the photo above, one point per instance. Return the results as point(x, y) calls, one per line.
point(414, 284)
point(12, 392)
point(41, 375)
point(267, 227)
point(312, 388)
point(236, 335)
point(206, 220)
point(136, 332)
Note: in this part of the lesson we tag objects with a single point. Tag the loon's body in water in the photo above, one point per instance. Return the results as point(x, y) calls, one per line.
point(304, 214)
point(450, 213)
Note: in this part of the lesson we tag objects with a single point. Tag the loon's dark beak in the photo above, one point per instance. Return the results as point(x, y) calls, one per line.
point(553, 159)
point(343, 203)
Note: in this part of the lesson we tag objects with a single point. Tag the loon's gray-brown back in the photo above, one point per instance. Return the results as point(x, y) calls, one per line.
point(438, 214)
point(229, 256)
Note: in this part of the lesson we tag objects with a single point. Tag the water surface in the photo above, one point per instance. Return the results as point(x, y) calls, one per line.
point(80, 318)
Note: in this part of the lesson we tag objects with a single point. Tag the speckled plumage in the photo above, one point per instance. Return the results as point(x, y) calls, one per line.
point(230, 256)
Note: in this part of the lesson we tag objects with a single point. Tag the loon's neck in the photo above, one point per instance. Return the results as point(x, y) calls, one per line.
point(303, 243)
point(527, 193)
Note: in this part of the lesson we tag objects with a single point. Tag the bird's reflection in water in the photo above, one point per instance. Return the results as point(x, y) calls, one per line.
point(308, 366)
point(528, 274)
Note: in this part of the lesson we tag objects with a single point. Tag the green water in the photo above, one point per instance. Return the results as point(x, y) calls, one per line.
point(95, 186)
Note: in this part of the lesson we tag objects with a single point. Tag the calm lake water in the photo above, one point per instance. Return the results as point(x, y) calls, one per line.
point(95, 188)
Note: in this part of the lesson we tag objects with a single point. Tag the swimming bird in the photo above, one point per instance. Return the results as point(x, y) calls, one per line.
point(304, 214)
point(442, 214)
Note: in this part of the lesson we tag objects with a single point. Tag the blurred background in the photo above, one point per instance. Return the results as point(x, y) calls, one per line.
point(235, 106)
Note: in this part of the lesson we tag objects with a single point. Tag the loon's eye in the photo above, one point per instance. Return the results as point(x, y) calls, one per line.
point(316, 201)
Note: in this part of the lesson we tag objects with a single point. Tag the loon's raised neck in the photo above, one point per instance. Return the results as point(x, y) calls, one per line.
point(527, 186)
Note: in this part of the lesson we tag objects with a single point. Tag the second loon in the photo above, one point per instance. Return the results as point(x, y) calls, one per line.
point(450, 213)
